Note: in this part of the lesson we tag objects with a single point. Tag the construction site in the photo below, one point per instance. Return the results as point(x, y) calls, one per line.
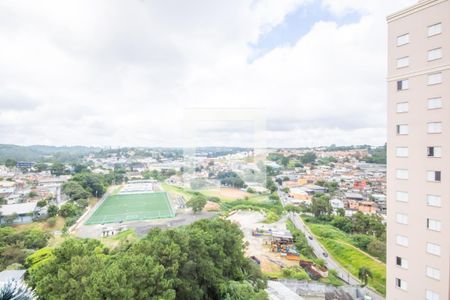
point(272, 245)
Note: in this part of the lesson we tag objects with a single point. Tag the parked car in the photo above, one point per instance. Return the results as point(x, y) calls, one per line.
point(310, 237)
point(325, 254)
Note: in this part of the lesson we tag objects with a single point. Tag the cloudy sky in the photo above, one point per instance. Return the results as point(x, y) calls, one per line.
point(139, 72)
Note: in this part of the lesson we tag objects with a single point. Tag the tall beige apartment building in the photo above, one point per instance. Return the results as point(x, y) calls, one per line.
point(418, 235)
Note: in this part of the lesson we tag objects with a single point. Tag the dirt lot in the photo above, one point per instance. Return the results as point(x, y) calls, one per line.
point(248, 220)
point(227, 193)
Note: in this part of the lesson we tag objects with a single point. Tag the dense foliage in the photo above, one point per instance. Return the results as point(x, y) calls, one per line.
point(230, 179)
point(367, 232)
point(15, 245)
point(197, 203)
point(159, 175)
point(301, 243)
point(377, 155)
point(201, 261)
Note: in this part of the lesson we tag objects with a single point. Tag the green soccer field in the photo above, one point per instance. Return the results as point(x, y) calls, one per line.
point(132, 207)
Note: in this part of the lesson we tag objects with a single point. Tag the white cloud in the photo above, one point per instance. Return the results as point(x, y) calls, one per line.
point(121, 73)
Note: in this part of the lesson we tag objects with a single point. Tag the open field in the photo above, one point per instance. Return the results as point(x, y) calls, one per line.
point(338, 244)
point(226, 194)
point(42, 224)
point(132, 207)
point(175, 190)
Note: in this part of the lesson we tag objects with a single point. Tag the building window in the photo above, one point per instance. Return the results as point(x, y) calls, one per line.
point(435, 78)
point(401, 284)
point(434, 29)
point(402, 174)
point(402, 129)
point(430, 295)
point(402, 219)
point(434, 176)
point(402, 62)
point(434, 151)
point(401, 240)
point(433, 200)
point(434, 103)
point(401, 262)
point(433, 249)
point(434, 127)
point(402, 85)
point(434, 54)
point(401, 151)
point(402, 107)
point(402, 196)
point(433, 273)
point(403, 39)
point(434, 225)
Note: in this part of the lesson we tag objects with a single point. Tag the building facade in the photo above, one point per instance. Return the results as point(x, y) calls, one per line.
point(418, 179)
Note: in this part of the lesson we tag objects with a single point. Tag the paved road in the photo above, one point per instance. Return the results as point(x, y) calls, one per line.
point(319, 251)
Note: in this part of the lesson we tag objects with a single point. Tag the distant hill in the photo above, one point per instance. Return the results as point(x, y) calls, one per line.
point(43, 153)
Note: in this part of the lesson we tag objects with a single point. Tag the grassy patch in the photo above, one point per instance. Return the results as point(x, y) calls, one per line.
point(42, 225)
point(172, 189)
point(127, 236)
point(332, 279)
point(289, 273)
point(272, 209)
point(338, 244)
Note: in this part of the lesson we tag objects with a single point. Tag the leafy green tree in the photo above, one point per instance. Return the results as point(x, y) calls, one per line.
point(93, 183)
point(377, 248)
point(10, 163)
point(340, 212)
point(74, 190)
point(15, 245)
point(235, 290)
point(40, 167)
point(364, 274)
point(271, 185)
point(320, 205)
point(80, 168)
point(300, 241)
point(68, 209)
point(308, 158)
point(52, 210)
point(57, 169)
point(203, 260)
point(35, 239)
point(231, 179)
point(41, 203)
point(285, 161)
point(362, 240)
point(197, 203)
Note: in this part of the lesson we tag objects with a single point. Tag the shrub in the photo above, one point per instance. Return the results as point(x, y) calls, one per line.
point(295, 273)
point(41, 203)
